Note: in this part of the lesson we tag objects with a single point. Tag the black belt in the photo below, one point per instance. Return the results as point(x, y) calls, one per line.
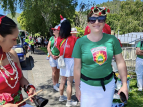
point(99, 79)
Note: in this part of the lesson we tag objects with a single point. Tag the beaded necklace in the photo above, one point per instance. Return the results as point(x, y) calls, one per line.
point(8, 73)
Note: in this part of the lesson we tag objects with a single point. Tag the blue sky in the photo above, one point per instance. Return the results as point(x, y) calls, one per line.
point(79, 1)
point(96, 1)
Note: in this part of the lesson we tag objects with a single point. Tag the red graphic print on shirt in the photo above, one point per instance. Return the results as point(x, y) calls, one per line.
point(99, 55)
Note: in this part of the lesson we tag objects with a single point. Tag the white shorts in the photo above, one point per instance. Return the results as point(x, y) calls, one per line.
point(67, 71)
point(53, 63)
point(27, 105)
point(95, 96)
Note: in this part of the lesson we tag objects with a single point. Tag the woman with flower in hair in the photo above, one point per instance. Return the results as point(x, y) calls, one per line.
point(11, 77)
point(93, 53)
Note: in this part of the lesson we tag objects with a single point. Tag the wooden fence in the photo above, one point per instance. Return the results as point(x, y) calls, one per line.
point(129, 55)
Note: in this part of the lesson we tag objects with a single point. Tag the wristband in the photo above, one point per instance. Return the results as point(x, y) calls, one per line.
point(28, 87)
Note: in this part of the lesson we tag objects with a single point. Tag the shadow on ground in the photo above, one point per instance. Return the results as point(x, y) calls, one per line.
point(52, 94)
point(39, 52)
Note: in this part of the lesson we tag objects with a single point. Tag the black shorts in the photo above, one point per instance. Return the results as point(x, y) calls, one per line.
point(39, 43)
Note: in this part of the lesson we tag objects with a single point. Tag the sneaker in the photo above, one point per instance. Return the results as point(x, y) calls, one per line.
point(71, 103)
point(58, 85)
point(56, 88)
point(62, 98)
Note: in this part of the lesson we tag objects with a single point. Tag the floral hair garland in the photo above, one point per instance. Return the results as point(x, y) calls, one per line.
point(100, 9)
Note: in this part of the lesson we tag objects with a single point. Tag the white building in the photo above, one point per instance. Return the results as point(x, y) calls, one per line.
point(130, 39)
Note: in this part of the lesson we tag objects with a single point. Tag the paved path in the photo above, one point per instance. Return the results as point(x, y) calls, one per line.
point(38, 72)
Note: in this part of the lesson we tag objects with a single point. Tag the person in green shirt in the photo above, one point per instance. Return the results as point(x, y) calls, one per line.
point(31, 42)
point(93, 55)
point(54, 55)
point(139, 65)
point(27, 40)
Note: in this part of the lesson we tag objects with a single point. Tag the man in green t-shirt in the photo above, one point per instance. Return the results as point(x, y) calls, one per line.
point(139, 65)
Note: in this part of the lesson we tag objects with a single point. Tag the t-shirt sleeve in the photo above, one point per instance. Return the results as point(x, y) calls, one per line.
point(77, 50)
point(138, 45)
point(50, 38)
point(116, 46)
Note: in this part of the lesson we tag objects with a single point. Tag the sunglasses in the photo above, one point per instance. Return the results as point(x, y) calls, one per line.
point(55, 30)
point(100, 19)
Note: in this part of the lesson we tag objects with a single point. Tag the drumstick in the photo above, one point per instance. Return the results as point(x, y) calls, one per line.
point(29, 97)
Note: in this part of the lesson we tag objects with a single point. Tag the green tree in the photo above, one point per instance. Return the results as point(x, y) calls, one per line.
point(40, 16)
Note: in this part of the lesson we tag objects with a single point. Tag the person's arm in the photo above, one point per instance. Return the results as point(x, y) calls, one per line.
point(138, 51)
point(121, 65)
point(77, 53)
point(77, 72)
point(48, 48)
point(123, 73)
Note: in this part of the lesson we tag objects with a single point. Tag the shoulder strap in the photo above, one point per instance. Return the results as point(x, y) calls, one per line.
point(141, 43)
point(65, 47)
point(62, 42)
point(54, 45)
point(52, 38)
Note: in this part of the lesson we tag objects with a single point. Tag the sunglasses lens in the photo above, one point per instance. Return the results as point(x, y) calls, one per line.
point(92, 21)
point(101, 20)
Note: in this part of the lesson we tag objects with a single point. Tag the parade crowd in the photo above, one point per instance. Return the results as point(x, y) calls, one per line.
point(85, 61)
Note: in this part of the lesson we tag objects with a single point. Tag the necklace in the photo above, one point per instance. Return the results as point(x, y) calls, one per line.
point(11, 63)
point(8, 73)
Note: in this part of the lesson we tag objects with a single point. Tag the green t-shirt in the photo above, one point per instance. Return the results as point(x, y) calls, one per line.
point(31, 42)
point(96, 57)
point(55, 51)
point(141, 48)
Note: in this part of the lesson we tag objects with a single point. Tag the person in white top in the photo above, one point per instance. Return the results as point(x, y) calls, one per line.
point(74, 32)
point(39, 41)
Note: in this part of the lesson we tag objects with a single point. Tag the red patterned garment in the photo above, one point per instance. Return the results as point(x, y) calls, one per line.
point(69, 47)
point(8, 94)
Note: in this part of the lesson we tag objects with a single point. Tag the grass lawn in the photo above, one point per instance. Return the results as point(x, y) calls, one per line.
point(44, 49)
point(135, 97)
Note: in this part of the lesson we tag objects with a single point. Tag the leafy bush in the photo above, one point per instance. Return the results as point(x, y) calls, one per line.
point(37, 34)
point(80, 31)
